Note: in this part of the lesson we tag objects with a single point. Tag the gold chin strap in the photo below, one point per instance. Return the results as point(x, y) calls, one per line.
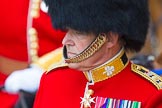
point(94, 47)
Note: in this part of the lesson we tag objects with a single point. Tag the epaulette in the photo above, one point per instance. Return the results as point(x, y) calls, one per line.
point(51, 60)
point(59, 61)
point(55, 65)
point(155, 79)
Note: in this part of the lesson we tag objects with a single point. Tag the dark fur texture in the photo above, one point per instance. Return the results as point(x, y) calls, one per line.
point(129, 18)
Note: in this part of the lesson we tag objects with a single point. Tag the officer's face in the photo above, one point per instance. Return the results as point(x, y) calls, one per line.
point(76, 42)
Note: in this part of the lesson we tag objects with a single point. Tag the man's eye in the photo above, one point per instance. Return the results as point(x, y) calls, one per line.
point(80, 33)
point(77, 32)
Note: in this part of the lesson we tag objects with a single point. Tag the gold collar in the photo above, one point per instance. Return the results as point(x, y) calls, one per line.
point(108, 69)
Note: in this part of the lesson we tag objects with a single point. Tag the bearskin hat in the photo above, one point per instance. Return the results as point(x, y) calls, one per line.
point(128, 18)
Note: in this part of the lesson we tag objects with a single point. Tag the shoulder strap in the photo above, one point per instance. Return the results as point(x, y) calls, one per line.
point(51, 60)
point(155, 79)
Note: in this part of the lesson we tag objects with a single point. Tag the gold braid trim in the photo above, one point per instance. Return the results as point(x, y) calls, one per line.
point(32, 34)
point(94, 47)
point(147, 74)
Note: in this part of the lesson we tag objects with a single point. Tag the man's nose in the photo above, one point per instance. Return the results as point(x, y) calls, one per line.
point(67, 40)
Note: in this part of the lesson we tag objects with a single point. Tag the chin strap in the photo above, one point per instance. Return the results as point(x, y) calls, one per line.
point(89, 51)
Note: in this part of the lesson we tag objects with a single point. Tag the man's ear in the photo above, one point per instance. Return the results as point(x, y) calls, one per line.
point(112, 39)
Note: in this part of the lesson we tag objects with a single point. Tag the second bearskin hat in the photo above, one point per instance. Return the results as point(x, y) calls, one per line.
point(129, 18)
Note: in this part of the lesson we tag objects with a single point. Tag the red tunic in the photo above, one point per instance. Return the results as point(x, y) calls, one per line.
point(13, 39)
point(63, 87)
